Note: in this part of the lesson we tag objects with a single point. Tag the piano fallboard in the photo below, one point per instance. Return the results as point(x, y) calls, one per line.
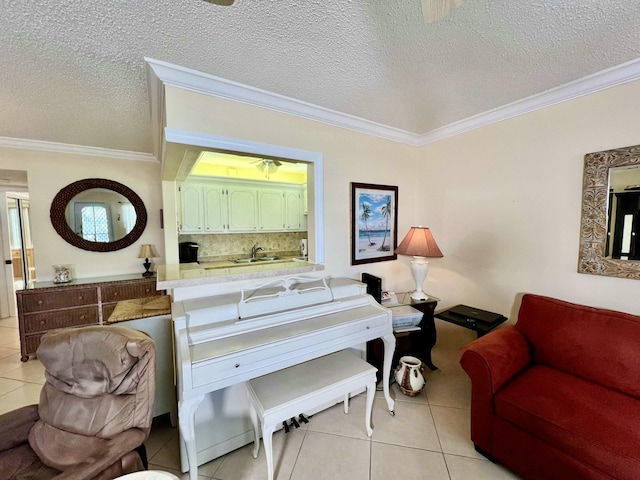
point(219, 363)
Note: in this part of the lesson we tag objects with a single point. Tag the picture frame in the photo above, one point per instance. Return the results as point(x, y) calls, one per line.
point(374, 223)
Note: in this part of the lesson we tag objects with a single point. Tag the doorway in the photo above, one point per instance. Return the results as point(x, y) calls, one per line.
point(22, 259)
point(626, 236)
point(15, 239)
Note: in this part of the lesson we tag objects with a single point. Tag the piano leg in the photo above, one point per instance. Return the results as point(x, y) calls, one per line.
point(389, 342)
point(187, 424)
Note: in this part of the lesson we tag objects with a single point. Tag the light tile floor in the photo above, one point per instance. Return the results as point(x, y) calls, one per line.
point(427, 438)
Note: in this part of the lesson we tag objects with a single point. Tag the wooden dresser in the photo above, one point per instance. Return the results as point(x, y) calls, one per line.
point(89, 301)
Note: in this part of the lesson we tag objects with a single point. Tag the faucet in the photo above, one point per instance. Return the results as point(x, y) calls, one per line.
point(255, 249)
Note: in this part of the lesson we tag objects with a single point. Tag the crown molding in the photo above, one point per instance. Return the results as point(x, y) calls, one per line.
point(195, 81)
point(611, 77)
point(66, 148)
point(169, 74)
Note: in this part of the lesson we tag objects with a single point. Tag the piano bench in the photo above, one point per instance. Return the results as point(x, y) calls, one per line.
point(278, 396)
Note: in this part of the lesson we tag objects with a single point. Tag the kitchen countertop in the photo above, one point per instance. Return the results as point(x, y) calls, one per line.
point(192, 274)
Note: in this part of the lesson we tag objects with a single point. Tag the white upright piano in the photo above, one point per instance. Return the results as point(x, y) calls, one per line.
point(225, 340)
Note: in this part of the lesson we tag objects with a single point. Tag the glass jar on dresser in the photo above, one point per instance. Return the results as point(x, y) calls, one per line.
point(45, 306)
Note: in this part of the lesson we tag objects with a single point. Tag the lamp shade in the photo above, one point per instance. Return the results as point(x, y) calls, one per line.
point(419, 242)
point(148, 251)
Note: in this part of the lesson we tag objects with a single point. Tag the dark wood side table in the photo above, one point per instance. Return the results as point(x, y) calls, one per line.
point(417, 343)
point(481, 328)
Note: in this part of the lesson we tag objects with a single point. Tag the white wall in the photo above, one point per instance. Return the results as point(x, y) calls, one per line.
point(348, 157)
point(49, 172)
point(505, 201)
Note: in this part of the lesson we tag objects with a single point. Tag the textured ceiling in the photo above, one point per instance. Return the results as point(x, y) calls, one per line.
point(72, 71)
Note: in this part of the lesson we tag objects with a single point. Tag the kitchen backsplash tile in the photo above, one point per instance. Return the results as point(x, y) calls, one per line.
point(234, 245)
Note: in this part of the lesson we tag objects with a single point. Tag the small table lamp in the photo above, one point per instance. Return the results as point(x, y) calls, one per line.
point(147, 251)
point(420, 243)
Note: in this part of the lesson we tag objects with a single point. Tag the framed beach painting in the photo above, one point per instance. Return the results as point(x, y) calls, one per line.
point(374, 223)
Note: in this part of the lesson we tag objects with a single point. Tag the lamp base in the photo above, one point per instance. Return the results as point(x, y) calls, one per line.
point(147, 265)
point(419, 295)
point(419, 269)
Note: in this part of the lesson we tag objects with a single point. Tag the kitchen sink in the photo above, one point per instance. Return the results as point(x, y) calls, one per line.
point(268, 259)
point(244, 260)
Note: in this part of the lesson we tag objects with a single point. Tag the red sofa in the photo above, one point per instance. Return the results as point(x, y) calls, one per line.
point(557, 395)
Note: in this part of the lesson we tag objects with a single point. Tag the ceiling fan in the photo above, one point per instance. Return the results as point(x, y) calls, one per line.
point(267, 166)
point(434, 10)
point(224, 3)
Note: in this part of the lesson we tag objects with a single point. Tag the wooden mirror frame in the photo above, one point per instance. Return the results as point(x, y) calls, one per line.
point(64, 196)
point(593, 228)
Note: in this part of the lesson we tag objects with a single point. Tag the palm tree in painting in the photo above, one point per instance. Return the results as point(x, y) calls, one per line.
point(386, 213)
point(366, 215)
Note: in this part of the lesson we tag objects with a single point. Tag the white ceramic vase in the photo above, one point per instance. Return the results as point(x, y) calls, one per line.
point(409, 376)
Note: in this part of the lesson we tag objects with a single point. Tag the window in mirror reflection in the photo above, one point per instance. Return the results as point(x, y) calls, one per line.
point(100, 215)
point(93, 222)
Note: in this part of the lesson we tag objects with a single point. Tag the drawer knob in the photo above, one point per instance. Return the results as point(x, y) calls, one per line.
point(237, 365)
point(81, 317)
point(368, 327)
point(80, 297)
point(39, 302)
point(147, 290)
point(115, 294)
point(42, 322)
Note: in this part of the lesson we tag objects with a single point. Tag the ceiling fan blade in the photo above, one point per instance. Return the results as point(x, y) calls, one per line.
point(224, 3)
point(277, 163)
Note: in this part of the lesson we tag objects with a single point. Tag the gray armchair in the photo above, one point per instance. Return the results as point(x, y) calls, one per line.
point(95, 408)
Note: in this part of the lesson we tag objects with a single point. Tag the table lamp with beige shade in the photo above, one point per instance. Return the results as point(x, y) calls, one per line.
point(147, 251)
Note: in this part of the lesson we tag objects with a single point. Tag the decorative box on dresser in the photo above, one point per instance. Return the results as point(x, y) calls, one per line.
point(45, 306)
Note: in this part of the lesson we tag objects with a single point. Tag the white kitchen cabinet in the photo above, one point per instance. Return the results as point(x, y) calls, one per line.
point(223, 206)
point(243, 209)
point(216, 212)
point(271, 210)
point(293, 209)
point(191, 208)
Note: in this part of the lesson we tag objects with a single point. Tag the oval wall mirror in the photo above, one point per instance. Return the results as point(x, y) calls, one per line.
point(98, 215)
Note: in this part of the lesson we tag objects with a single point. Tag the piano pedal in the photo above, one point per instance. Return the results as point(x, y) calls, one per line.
point(286, 427)
point(303, 419)
point(294, 422)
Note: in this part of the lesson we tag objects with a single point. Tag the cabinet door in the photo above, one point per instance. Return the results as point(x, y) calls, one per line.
point(243, 209)
point(191, 211)
point(270, 210)
point(215, 209)
point(293, 204)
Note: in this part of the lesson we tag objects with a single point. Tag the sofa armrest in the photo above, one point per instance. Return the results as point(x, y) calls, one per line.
point(15, 426)
point(490, 362)
point(498, 356)
point(115, 449)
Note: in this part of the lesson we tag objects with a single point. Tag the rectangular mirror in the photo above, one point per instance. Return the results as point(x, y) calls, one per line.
point(610, 226)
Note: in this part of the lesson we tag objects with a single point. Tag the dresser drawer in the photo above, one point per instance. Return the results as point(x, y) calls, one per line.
point(39, 302)
point(39, 322)
point(129, 291)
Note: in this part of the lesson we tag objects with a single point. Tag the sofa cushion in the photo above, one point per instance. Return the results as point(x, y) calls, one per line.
point(585, 420)
point(595, 344)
